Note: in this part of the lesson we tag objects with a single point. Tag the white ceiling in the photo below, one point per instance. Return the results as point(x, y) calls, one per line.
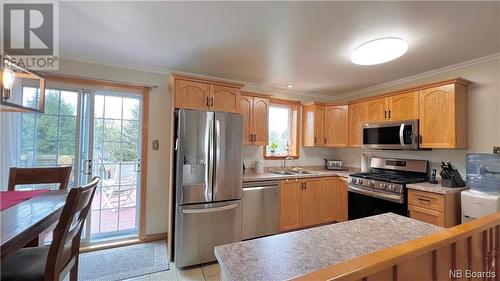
point(273, 44)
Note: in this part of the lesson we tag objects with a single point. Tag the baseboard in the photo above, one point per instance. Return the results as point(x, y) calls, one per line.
point(155, 237)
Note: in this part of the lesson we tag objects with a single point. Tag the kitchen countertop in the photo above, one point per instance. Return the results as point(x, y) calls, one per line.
point(251, 175)
point(291, 254)
point(435, 188)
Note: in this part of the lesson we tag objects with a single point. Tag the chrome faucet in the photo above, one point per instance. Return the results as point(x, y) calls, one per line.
point(284, 161)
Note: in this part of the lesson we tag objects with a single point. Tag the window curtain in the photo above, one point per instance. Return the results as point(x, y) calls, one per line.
point(10, 144)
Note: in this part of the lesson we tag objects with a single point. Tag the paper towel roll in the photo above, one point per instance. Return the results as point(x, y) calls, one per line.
point(259, 166)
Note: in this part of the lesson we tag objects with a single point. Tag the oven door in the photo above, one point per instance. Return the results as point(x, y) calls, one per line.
point(365, 203)
point(391, 135)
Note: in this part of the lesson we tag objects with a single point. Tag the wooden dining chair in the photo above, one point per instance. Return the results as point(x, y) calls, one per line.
point(54, 262)
point(48, 175)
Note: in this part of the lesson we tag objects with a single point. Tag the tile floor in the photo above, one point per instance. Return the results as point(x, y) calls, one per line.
point(208, 272)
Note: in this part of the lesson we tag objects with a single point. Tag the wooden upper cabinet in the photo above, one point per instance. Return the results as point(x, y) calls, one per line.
point(403, 106)
point(255, 111)
point(377, 110)
point(224, 98)
point(313, 131)
point(259, 120)
point(336, 126)
point(311, 197)
point(191, 95)
point(443, 116)
point(290, 204)
point(199, 94)
point(356, 116)
point(246, 106)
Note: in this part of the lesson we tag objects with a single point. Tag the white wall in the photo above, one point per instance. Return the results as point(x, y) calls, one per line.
point(484, 115)
point(159, 120)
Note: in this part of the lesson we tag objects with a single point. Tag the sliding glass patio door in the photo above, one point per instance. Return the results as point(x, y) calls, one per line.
point(97, 133)
point(111, 150)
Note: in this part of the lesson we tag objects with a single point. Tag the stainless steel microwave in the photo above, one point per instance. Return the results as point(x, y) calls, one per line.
point(391, 135)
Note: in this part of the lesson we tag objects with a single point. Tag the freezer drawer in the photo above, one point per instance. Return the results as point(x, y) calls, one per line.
point(261, 210)
point(201, 227)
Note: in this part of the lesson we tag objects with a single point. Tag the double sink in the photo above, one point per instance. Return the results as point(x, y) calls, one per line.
point(292, 172)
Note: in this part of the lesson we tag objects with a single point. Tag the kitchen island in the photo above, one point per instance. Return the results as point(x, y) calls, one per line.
point(287, 255)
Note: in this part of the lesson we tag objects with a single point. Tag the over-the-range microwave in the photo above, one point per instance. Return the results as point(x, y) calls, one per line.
point(401, 135)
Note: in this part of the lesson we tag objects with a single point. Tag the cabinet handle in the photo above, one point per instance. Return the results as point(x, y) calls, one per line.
point(208, 100)
point(254, 137)
point(385, 114)
point(212, 101)
point(389, 114)
point(305, 185)
point(325, 140)
point(250, 137)
point(315, 140)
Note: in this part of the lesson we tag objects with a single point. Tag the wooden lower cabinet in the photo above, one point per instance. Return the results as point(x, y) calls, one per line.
point(311, 195)
point(438, 209)
point(308, 202)
point(290, 204)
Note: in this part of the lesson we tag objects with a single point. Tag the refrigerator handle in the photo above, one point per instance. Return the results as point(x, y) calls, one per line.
point(217, 144)
point(210, 210)
point(210, 160)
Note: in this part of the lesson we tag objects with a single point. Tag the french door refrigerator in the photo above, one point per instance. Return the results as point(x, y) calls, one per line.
point(208, 176)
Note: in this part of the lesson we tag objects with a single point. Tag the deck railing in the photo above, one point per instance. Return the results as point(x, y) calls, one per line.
point(469, 251)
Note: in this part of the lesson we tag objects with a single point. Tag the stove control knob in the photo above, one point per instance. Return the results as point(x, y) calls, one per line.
point(384, 185)
point(390, 187)
point(371, 183)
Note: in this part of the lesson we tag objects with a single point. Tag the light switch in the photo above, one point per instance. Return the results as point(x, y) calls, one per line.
point(156, 145)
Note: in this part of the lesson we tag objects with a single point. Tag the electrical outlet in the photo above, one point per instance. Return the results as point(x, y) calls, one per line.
point(156, 145)
point(496, 150)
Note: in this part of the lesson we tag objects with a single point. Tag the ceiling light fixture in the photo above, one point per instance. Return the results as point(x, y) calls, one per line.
point(290, 86)
point(379, 51)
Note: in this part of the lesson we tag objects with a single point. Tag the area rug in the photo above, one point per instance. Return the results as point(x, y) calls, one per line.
point(123, 262)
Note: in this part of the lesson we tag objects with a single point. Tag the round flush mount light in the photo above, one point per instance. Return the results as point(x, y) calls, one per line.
point(290, 86)
point(379, 51)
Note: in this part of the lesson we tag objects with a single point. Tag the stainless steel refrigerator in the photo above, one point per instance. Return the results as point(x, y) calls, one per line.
point(208, 183)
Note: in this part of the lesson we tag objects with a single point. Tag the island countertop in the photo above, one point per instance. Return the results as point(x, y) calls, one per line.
point(287, 255)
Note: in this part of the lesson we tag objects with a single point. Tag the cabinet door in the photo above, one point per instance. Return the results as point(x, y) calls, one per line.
point(356, 118)
point(342, 199)
point(403, 106)
point(191, 95)
point(225, 99)
point(319, 125)
point(290, 204)
point(328, 203)
point(259, 120)
point(336, 124)
point(437, 117)
point(313, 133)
point(246, 103)
point(376, 110)
point(311, 198)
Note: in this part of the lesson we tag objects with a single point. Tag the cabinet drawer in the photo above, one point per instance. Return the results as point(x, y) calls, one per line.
point(427, 215)
point(426, 200)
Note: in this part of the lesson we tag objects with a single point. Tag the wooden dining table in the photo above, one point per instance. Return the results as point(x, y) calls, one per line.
point(24, 222)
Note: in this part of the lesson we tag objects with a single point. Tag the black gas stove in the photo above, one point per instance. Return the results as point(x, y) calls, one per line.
point(383, 189)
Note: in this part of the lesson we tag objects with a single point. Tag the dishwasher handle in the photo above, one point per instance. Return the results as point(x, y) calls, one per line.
point(261, 184)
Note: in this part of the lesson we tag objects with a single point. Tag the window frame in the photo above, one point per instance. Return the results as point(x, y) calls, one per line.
point(295, 126)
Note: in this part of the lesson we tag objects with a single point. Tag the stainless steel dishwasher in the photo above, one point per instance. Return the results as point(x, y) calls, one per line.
point(261, 208)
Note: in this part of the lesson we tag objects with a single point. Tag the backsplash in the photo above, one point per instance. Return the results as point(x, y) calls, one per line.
point(312, 156)
point(309, 156)
point(352, 156)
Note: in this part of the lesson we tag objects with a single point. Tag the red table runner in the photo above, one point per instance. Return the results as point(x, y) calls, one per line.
point(11, 198)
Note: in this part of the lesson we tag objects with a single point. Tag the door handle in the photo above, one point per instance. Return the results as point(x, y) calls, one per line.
point(138, 166)
point(88, 167)
point(210, 210)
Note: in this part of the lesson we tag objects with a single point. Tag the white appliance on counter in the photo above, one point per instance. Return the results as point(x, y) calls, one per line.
point(476, 204)
point(483, 177)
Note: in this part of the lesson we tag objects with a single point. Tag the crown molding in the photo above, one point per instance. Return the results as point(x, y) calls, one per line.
point(411, 78)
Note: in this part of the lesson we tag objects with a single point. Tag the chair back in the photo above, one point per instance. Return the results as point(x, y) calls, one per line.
point(65, 247)
point(58, 175)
